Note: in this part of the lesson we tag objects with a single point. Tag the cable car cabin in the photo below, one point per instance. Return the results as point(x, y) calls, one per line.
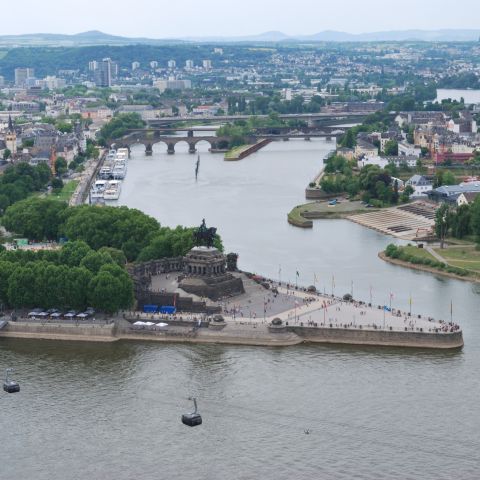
point(192, 419)
point(10, 386)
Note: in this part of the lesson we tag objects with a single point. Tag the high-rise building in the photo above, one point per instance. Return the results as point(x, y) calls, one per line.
point(92, 66)
point(103, 73)
point(135, 66)
point(153, 65)
point(2, 81)
point(207, 64)
point(22, 75)
point(189, 65)
point(172, 64)
point(114, 70)
point(172, 84)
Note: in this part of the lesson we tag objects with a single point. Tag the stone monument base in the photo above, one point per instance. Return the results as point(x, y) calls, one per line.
point(213, 287)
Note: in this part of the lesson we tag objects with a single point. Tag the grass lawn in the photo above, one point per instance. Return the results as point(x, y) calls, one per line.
point(464, 257)
point(235, 152)
point(66, 192)
point(322, 210)
point(418, 252)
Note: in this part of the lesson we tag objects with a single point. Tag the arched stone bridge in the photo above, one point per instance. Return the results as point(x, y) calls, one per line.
point(150, 137)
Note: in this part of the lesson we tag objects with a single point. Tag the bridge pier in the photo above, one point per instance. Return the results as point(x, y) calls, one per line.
point(191, 148)
point(171, 148)
point(149, 150)
point(286, 139)
point(307, 139)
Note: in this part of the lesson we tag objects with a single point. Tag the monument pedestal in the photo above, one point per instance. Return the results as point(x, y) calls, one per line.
point(205, 274)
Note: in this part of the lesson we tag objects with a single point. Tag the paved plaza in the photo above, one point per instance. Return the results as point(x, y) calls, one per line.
point(260, 305)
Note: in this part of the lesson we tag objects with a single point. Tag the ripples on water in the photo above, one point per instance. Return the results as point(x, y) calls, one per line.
point(113, 411)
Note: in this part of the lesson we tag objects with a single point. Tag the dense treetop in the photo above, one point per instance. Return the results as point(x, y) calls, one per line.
point(132, 234)
point(74, 277)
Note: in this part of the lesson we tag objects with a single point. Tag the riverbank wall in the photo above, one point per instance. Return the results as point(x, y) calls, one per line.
point(89, 175)
point(250, 334)
point(377, 337)
point(60, 331)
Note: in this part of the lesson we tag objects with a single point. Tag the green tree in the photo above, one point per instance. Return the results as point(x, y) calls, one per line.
point(461, 222)
point(57, 185)
point(61, 166)
point(475, 217)
point(93, 261)
point(73, 252)
point(349, 139)
point(103, 290)
point(391, 148)
point(20, 292)
point(6, 154)
point(35, 218)
point(442, 223)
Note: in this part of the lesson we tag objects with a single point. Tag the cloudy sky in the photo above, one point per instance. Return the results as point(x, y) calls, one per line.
point(180, 18)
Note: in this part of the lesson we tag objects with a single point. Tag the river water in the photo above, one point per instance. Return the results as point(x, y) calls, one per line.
point(113, 411)
point(470, 96)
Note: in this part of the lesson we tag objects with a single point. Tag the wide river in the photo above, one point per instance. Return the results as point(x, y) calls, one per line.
point(470, 96)
point(89, 411)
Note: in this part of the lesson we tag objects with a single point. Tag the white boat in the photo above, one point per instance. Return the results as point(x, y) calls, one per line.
point(119, 170)
point(111, 154)
point(112, 192)
point(98, 189)
point(105, 172)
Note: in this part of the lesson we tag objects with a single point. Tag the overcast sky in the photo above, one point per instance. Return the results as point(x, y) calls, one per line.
point(181, 18)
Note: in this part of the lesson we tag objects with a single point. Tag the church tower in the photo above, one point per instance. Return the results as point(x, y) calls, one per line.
point(11, 137)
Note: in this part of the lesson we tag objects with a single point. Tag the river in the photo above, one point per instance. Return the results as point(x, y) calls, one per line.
point(113, 411)
point(470, 96)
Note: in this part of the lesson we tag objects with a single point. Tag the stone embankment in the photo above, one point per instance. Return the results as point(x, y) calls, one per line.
point(234, 333)
point(99, 332)
point(241, 152)
point(92, 167)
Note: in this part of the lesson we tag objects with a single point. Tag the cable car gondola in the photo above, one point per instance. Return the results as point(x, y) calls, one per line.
point(192, 419)
point(10, 386)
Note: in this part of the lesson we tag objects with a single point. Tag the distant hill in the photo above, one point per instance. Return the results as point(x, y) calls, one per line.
point(90, 38)
point(447, 35)
point(96, 37)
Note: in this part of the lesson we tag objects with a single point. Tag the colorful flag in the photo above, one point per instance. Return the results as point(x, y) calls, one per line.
point(315, 278)
point(298, 274)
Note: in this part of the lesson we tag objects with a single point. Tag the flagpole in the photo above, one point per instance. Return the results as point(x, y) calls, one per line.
point(451, 311)
point(410, 304)
point(352, 289)
point(371, 301)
